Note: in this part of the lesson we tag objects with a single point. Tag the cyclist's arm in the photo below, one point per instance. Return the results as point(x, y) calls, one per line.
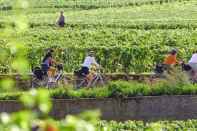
point(95, 63)
point(53, 61)
point(178, 61)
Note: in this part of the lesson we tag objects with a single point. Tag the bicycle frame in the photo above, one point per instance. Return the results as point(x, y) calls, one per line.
point(84, 82)
point(46, 82)
point(95, 80)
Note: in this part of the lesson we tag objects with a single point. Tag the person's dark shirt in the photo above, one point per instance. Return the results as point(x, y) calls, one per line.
point(61, 21)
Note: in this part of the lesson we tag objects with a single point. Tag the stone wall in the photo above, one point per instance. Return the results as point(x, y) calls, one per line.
point(134, 108)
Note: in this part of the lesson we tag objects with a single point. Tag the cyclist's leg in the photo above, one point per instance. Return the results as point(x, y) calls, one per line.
point(60, 79)
point(80, 82)
point(81, 77)
point(84, 71)
point(51, 74)
point(97, 80)
point(94, 80)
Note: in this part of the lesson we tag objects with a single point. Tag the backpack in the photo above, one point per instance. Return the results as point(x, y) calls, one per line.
point(186, 67)
point(159, 68)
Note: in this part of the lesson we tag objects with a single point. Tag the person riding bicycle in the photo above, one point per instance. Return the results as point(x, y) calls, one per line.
point(193, 61)
point(50, 74)
point(89, 74)
point(92, 73)
point(47, 64)
point(47, 60)
point(88, 62)
point(170, 60)
point(193, 64)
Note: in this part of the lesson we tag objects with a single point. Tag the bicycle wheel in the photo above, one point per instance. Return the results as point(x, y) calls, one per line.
point(61, 82)
point(80, 82)
point(38, 83)
point(35, 83)
point(97, 81)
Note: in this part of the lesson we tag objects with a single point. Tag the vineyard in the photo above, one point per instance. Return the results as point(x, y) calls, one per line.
point(127, 36)
point(131, 39)
point(85, 4)
point(133, 50)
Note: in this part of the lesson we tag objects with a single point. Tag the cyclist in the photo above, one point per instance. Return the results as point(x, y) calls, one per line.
point(47, 64)
point(47, 60)
point(193, 64)
point(170, 60)
point(193, 61)
point(88, 75)
point(92, 73)
point(88, 62)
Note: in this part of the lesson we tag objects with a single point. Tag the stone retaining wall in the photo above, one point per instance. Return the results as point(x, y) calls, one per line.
point(134, 108)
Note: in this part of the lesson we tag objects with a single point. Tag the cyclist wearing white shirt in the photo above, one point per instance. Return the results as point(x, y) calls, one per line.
point(89, 60)
point(193, 61)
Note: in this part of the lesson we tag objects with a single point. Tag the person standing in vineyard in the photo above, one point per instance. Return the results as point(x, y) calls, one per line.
point(61, 20)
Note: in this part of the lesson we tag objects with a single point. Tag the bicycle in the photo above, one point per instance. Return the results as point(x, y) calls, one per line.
point(40, 78)
point(191, 73)
point(162, 71)
point(82, 80)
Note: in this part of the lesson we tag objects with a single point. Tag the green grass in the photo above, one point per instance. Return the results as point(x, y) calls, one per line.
point(119, 89)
